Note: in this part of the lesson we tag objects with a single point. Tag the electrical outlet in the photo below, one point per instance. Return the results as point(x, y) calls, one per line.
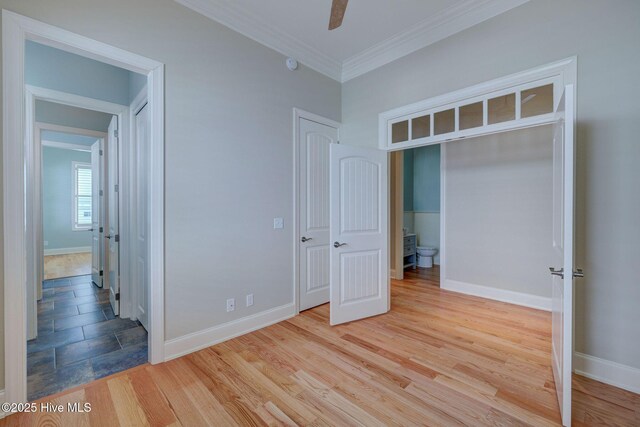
point(231, 304)
point(278, 223)
point(249, 300)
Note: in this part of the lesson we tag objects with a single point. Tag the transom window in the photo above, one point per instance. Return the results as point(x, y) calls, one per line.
point(81, 196)
point(512, 102)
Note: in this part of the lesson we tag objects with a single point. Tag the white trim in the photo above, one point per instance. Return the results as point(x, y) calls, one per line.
point(560, 73)
point(74, 191)
point(67, 251)
point(239, 19)
point(2, 400)
point(297, 115)
point(202, 339)
point(518, 298)
point(443, 210)
point(66, 146)
point(128, 294)
point(605, 371)
point(16, 29)
point(452, 20)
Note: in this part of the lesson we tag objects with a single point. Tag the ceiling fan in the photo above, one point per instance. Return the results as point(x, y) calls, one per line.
point(338, 7)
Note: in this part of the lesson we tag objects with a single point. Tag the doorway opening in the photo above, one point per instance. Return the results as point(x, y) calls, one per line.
point(76, 308)
point(69, 174)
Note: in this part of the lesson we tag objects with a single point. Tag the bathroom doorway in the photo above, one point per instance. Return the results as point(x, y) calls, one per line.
point(416, 221)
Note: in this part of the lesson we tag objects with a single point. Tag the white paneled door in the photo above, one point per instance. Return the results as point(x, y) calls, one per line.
point(141, 281)
point(113, 225)
point(359, 262)
point(563, 270)
point(314, 139)
point(96, 247)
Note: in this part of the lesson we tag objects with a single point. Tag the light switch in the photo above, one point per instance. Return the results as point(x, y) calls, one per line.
point(278, 223)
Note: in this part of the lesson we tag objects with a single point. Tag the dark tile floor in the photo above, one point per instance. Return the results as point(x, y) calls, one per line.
point(79, 338)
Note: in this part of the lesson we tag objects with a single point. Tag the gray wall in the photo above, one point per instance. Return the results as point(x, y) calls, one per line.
point(499, 210)
point(605, 37)
point(57, 194)
point(64, 115)
point(229, 162)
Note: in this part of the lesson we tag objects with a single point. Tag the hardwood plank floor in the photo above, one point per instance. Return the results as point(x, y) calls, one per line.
point(68, 265)
point(438, 358)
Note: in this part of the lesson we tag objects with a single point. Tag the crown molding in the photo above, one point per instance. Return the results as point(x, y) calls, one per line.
point(456, 18)
point(233, 16)
point(450, 21)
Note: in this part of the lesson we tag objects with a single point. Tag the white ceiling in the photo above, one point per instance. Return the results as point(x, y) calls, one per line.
point(373, 33)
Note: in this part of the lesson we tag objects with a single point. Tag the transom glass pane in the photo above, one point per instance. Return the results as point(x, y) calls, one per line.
point(400, 132)
point(444, 122)
point(536, 101)
point(502, 109)
point(471, 116)
point(421, 127)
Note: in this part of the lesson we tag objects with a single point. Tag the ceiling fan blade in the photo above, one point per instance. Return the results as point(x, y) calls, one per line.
point(338, 7)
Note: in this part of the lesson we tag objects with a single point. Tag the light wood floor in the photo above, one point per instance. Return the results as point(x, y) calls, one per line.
point(56, 266)
point(438, 358)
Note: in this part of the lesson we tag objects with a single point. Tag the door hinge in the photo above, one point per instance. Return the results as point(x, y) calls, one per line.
point(101, 229)
point(115, 133)
point(117, 238)
point(101, 272)
point(116, 188)
point(101, 193)
point(118, 296)
point(101, 153)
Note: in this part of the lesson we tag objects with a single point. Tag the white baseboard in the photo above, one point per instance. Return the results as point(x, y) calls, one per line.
point(518, 298)
point(66, 251)
point(198, 340)
point(605, 371)
point(2, 413)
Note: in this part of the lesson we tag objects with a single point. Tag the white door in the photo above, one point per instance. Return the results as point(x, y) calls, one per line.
point(113, 226)
point(359, 261)
point(562, 272)
point(314, 139)
point(141, 285)
point(96, 252)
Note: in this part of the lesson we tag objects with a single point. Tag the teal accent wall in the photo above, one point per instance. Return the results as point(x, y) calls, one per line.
point(57, 182)
point(422, 179)
point(67, 72)
point(48, 135)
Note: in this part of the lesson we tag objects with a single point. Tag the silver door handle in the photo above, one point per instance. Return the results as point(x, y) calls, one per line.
point(555, 272)
point(337, 244)
point(306, 239)
point(107, 236)
point(89, 229)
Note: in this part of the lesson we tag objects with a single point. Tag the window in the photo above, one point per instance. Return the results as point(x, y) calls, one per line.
point(81, 196)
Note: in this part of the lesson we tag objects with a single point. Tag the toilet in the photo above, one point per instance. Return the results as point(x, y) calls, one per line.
point(425, 256)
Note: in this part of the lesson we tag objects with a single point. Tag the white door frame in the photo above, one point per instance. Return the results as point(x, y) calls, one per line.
point(128, 295)
point(16, 30)
point(297, 115)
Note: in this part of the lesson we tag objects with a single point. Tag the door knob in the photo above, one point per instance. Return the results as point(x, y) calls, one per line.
point(555, 272)
point(306, 239)
point(337, 244)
